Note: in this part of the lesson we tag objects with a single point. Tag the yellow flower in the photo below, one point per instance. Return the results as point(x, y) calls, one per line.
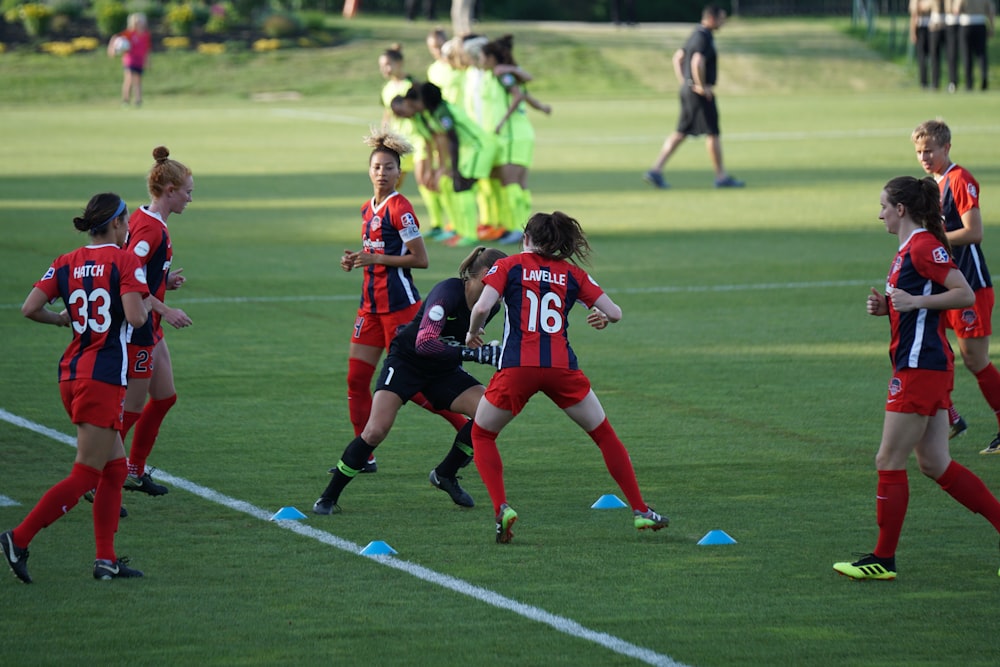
point(212, 49)
point(35, 10)
point(85, 43)
point(176, 43)
point(267, 45)
point(58, 48)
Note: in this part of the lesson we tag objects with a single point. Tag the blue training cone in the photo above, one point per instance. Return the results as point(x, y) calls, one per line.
point(608, 502)
point(378, 548)
point(716, 537)
point(287, 513)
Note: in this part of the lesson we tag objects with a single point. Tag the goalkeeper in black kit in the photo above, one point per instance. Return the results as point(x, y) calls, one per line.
point(426, 356)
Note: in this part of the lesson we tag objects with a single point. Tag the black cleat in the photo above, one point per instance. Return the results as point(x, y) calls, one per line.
point(16, 557)
point(450, 486)
point(105, 570)
point(145, 484)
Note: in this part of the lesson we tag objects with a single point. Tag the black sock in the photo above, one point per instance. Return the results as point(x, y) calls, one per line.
point(349, 465)
point(460, 453)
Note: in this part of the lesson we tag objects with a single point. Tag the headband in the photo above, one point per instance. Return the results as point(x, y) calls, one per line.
point(121, 208)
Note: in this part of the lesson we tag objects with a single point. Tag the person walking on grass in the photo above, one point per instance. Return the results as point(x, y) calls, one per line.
point(696, 68)
point(151, 373)
point(133, 45)
point(923, 283)
point(102, 288)
point(539, 286)
point(963, 223)
point(426, 357)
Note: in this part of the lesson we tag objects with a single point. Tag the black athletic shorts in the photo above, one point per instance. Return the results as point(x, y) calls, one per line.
point(699, 115)
point(441, 388)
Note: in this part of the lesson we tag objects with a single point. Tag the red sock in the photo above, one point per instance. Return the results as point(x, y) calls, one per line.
point(107, 503)
point(965, 486)
point(128, 421)
point(489, 464)
point(455, 419)
point(989, 384)
point(619, 464)
point(147, 427)
point(56, 502)
point(359, 393)
point(891, 498)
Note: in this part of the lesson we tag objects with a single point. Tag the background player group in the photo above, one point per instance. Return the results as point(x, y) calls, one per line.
point(474, 142)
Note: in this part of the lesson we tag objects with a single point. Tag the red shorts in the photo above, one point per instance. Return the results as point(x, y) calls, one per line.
point(140, 361)
point(510, 388)
point(974, 321)
point(93, 402)
point(378, 329)
point(919, 391)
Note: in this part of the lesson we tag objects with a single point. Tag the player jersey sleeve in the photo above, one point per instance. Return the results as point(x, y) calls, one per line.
point(590, 291)
point(965, 190)
point(133, 277)
point(439, 308)
point(48, 282)
point(404, 219)
point(931, 259)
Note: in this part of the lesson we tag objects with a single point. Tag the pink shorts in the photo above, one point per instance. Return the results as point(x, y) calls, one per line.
point(510, 388)
point(140, 361)
point(919, 391)
point(974, 321)
point(378, 329)
point(93, 402)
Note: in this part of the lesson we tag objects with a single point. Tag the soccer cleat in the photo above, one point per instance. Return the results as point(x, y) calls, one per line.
point(16, 557)
point(145, 484)
point(505, 519)
point(370, 466)
point(105, 570)
point(957, 428)
point(729, 182)
point(867, 567)
point(89, 497)
point(489, 232)
point(512, 237)
point(450, 486)
point(994, 447)
point(325, 506)
point(649, 520)
point(655, 179)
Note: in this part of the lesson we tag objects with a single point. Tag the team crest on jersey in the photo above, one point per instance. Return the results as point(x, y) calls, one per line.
point(376, 222)
point(409, 220)
point(971, 189)
point(940, 255)
point(895, 386)
point(897, 264)
point(48, 274)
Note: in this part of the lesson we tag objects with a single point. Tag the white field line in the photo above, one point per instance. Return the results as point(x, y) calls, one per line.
point(663, 289)
point(556, 622)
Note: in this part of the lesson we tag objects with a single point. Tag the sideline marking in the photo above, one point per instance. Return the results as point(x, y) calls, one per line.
point(8, 502)
point(556, 622)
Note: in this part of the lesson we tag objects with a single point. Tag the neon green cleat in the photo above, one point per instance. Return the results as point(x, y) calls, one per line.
point(869, 567)
point(505, 519)
point(649, 520)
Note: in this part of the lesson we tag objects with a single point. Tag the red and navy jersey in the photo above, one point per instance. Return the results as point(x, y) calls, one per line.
point(90, 281)
point(918, 337)
point(385, 230)
point(538, 294)
point(959, 195)
point(149, 241)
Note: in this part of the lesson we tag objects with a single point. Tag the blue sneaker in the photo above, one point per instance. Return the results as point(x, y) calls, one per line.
point(655, 179)
point(729, 182)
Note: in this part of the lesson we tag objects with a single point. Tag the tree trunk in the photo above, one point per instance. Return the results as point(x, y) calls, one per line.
point(461, 16)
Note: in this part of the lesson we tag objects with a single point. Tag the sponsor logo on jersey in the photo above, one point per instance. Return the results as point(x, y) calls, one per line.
point(971, 189)
point(141, 249)
point(409, 220)
point(48, 274)
point(940, 255)
point(436, 313)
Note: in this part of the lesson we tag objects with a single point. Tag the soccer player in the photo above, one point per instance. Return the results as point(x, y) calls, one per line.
point(963, 223)
point(102, 288)
point(426, 356)
point(923, 284)
point(170, 184)
point(391, 246)
point(539, 287)
point(514, 129)
point(696, 68)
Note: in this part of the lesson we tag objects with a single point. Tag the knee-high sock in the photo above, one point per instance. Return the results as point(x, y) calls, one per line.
point(618, 463)
point(351, 461)
point(519, 201)
point(128, 421)
point(967, 488)
point(989, 384)
point(459, 454)
point(891, 498)
point(489, 464)
point(466, 209)
point(455, 419)
point(359, 393)
point(107, 503)
point(435, 211)
point(57, 501)
point(146, 430)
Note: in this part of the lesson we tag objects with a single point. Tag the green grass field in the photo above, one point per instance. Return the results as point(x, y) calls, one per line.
point(745, 378)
